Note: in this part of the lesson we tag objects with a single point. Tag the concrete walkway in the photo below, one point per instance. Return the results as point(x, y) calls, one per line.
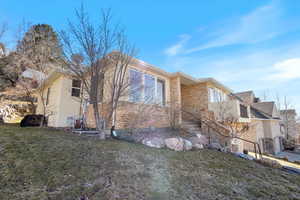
point(289, 155)
point(282, 162)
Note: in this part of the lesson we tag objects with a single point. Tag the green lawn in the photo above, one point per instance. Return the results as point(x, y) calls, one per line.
point(46, 164)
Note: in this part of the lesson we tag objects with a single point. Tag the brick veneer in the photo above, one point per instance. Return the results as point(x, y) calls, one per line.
point(194, 99)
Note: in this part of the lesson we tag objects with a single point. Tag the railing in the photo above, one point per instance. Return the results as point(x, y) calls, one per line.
point(214, 125)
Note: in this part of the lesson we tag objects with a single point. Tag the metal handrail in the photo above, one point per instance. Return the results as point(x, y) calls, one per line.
point(255, 144)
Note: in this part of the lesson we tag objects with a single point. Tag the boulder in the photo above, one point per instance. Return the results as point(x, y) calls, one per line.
point(196, 142)
point(155, 142)
point(176, 144)
point(202, 139)
point(187, 145)
point(269, 163)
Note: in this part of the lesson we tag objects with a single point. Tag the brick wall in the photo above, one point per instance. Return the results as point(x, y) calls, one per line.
point(194, 98)
point(175, 97)
point(134, 115)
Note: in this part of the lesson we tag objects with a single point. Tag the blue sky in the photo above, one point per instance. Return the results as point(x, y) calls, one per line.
point(245, 44)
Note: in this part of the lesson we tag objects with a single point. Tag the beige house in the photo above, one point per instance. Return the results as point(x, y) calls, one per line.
point(265, 124)
point(289, 124)
point(156, 98)
point(61, 99)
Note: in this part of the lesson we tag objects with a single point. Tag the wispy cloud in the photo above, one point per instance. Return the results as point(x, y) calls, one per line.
point(178, 47)
point(286, 70)
point(261, 24)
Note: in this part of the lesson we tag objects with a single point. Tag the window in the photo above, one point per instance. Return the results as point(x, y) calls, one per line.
point(136, 83)
point(48, 96)
point(76, 85)
point(146, 88)
point(161, 92)
point(243, 111)
point(149, 89)
point(216, 95)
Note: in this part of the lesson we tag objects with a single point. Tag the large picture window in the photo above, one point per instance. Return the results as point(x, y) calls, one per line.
point(136, 86)
point(146, 88)
point(149, 89)
point(216, 95)
point(76, 86)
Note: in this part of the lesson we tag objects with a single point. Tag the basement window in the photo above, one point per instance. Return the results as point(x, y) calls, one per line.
point(76, 87)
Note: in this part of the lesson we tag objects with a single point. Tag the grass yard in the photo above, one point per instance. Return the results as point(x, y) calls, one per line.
point(47, 164)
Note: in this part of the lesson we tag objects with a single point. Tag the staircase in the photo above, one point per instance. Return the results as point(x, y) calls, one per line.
point(191, 127)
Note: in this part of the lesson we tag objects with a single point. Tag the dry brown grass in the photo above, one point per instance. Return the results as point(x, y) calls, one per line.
point(47, 164)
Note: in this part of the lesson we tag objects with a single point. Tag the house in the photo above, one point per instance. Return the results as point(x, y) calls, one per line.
point(265, 124)
point(156, 98)
point(60, 94)
point(289, 124)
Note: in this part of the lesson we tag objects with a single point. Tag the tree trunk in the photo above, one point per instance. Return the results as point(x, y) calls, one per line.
point(98, 121)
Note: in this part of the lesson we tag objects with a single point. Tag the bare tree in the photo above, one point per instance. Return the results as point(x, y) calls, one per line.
point(94, 43)
point(284, 108)
point(118, 83)
point(3, 29)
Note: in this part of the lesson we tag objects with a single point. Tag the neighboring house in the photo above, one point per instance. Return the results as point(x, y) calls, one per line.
point(265, 124)
point(156, 98)
point(298, 133)
point(61, 99)
point(289, 124)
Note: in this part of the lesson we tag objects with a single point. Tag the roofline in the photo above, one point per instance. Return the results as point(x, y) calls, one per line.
point(168, 74)
point(182, 74)
point(218, 83)
point(248, 91)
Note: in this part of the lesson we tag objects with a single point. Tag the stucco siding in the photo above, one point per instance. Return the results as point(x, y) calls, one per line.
point(52, 109)
point(69, 106)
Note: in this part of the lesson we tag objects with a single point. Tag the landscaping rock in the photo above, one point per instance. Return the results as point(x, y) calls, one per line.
point(155, 142)
point(187, 145)
point(176, 144)
point(202, 139)
point(196, 142)
point(270, 163)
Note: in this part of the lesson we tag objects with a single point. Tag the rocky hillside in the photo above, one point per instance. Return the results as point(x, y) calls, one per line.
point(13, 107)
point(48, 164)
